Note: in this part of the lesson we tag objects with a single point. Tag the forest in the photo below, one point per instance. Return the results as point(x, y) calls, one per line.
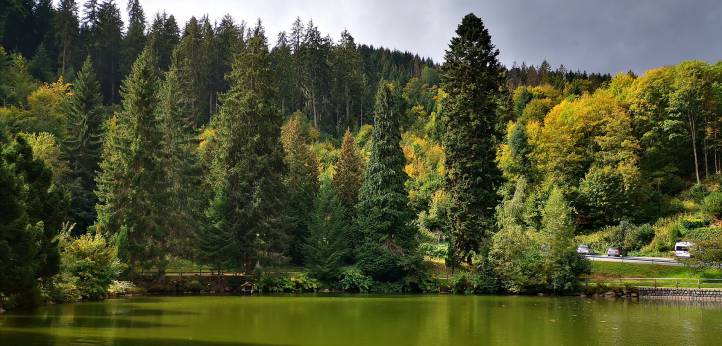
point(127, 148)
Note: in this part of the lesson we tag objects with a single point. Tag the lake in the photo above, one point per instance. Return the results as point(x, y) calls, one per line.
point(364, 320)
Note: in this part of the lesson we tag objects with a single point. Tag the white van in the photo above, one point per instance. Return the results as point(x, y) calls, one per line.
point(681, 249)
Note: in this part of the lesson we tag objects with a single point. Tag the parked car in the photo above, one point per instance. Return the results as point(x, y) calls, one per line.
point(584, 249)
point(614, 252)
point(681, 249)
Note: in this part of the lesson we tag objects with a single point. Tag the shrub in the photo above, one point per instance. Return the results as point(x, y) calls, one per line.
point(461, 284)
point(194, 286)
point(92, 262)
point(698, 192)
point(63, 288)
point(387, 287)
point(516, 259)
point(712, 204)
point(121, 288)
point(304, 283)
point(274, 283)
point(638, 237)
point(353, 280)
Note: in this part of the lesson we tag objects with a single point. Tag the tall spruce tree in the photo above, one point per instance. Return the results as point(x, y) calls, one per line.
point(163, 37)
point(66, 28)
point(472, 76)
point(131, 183)
point(134, 40)
point(349, 173)
point(301, 182)
point(327, 244)
point(107, 53)
point(179, 160)
point(387, 241)
point(83, 143)
point(244, 216)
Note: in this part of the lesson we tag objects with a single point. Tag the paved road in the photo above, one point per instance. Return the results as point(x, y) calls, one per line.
point(629, 259)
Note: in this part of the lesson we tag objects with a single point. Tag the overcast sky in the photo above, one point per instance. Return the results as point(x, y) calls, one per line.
point(593, 35)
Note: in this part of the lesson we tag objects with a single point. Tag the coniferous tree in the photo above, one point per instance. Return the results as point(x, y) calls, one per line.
point(131, 183)
point(301, 182)
point(346, 80)
point(107, 52)
point(284, 72)
point(246, 173)
point(66, 27)
point(33, 209)
point(179, 160)
point(327, 244)
point(349, 173)
point(472, 77)
point(387, 242)
point(83, 143)
point(163, 37)
point(134, 40)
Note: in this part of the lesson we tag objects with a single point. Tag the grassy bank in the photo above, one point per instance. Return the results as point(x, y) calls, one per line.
point(608, 270)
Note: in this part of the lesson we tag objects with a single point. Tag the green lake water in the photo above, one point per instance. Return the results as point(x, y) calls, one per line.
point(365, 320)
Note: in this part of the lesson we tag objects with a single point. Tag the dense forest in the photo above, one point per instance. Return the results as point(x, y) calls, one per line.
point(131, 148)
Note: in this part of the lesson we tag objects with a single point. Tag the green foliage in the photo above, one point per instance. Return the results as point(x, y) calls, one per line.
point(349, 172)
point(327, 243)
point(245, 176)
point(712, 204)
point(352, 279)
point(32, 212)
point(517, 260)
point(301, 183)
point(472, 77)
point(287, 283)
point(387, 249)
point(83, 143)
point(698, 192)
point(89, 263)
point(605, 197)
point(131, 185)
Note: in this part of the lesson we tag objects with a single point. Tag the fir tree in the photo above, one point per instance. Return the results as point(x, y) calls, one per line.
point(246, 174)
point(327, 244)
point(83, 143)
point(131, 183)
point(387, 248)
point(134, 40)
point(66, 29)
point(349, 172)
point(472, 77)
point(301, 182)
point(181, 167)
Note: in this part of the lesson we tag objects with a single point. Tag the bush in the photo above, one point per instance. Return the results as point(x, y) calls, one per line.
point(121, 288)
point(698, 192)
point(461, 284)
point(194, 286)
point(712, 204)
point(91, 261)
point(387, 287)
point(434, 250)
point(63, 288)
point(353, 280)
point(638, 237)
point(273, 283)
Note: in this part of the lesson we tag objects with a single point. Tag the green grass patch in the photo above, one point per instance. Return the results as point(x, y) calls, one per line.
point(609, 270)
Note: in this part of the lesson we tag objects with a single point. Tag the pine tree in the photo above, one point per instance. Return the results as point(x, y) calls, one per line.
point(134, 40)
point(472, 77)
point(66, 29)
point(107, 41)
point(246, 174)
point(83, 143)
point(301, 182)
point(327, 244)
point(163, 37)
point(346, 63)
point(387, 248)
point(131, 183)
point(179, 160)
point(33, 209)
point(349, 172)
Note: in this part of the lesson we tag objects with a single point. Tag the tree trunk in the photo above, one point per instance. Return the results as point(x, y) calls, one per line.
point(693, 131)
